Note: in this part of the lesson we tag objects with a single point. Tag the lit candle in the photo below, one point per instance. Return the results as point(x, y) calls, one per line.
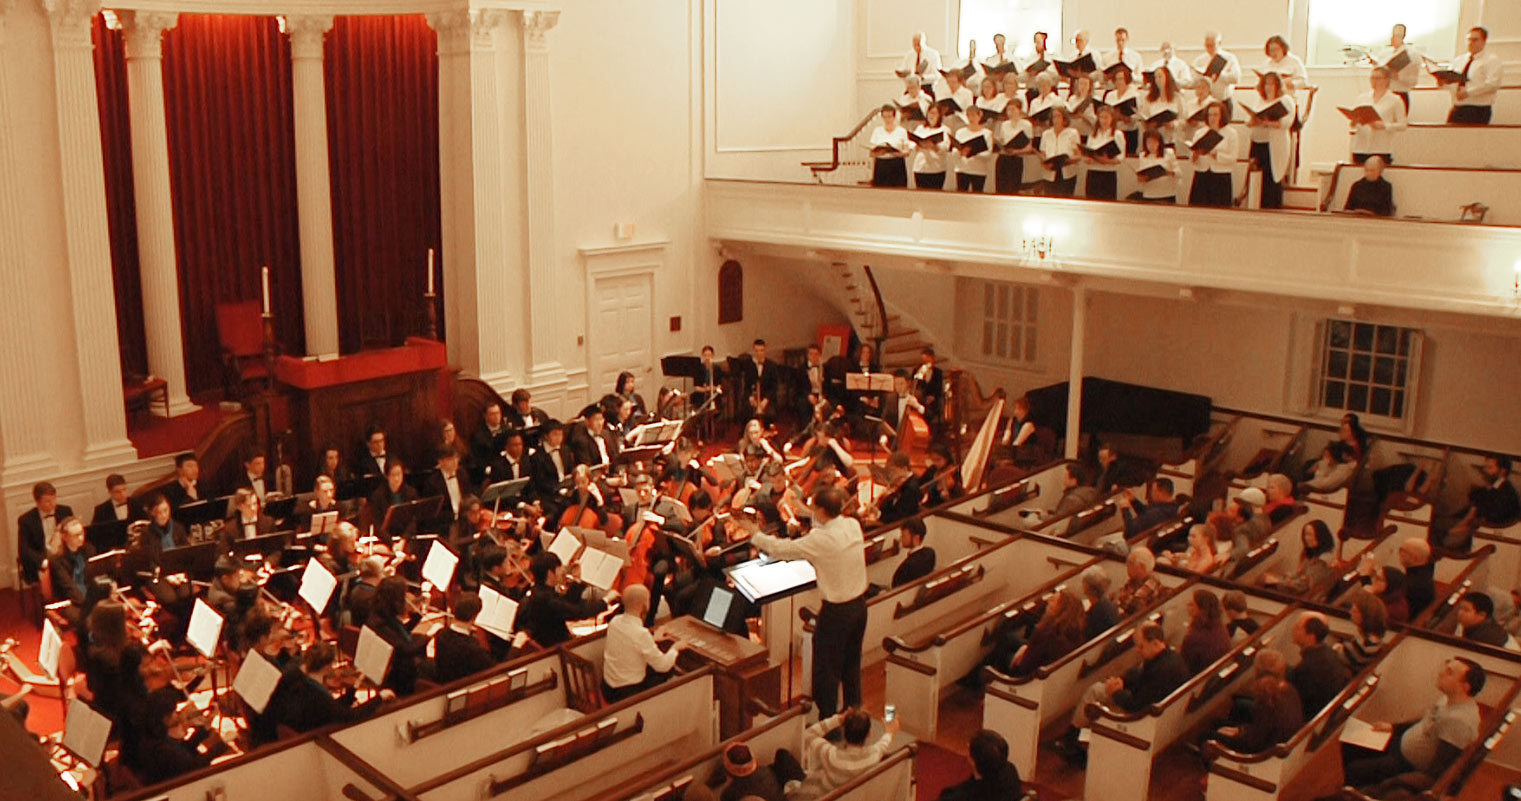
point(265, 281)
point(430, 271)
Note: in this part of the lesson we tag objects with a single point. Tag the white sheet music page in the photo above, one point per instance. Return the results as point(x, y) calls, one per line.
point(498, 613)
point(1360, 733)
point(373, 656)
point(439, 567)
point(52, 646)
point(86, 732)
point(565, 546)
point(256, 681)
point(317, 585)
point(205, 628)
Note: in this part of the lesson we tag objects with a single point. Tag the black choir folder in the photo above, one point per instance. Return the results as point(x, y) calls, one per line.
point(1447, 76)
point(1077, 66)
point(1400, 61)
point(1272, 113)
point(991, 113)
point(1216, 66)
point(972, 147)
point(1201, 115)
point(932, 139)
point(1040, 65)
point(1043, 116)
point(919, 70)
point(1110, 149)
point(1002, 69)
point(1153, 172)
point(1126, 108)
point(949, 106)
point(912, 111)
point(966, 72)
point(1056, 162)
point(1162, 117)
point(1019, 142)
point(1114, 69)
point(885, 150)
point(1208, 142)
point(1362, 115)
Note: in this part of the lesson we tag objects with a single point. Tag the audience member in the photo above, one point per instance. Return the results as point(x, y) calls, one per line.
point(1491, 503)
point(831, 765)
point(1428, 744)
point(1102, 614)
point(1238, 618)
point(1161, 671)
point(1420, 575)
point(1159, 508)
point(1141, 588)
point(1274, 714)
point(1207, 639)
point(1371, 194)
point(994, 777)
point(1314, 569)
point(1476, 616)
point(919, 561)
point(1320, 674)
point(1372, 620)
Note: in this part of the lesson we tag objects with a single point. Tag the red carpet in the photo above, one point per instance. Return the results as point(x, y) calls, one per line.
point(936, 768)
point(46, 713)
point(156, 436)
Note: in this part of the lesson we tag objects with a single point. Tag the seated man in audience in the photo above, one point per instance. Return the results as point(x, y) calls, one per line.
point(252, 477)
point(457, 652)
point(1142, 588)
point(1420, 575)
point(1238, 618)
point(1321, 673)
point(994, 777)
point(1473, 98)
point(743, 778)
point(1159, 508)
point(118, 507)
point(919, 561)
point(1248, 529)
point(547, 611)
point(831, 765)
point(1280, 504)
point(1078, 492)
point(1372, 194)
point(1161, 671)
point(1102, 615)
point(1334, 469)
point(38, 528)
point(1476, 614)
point(186, 487)
point(1428, 744)
point(631, 661)
point(1491, 503)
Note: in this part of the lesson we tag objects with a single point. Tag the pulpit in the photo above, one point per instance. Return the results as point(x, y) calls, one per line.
point(332, 402)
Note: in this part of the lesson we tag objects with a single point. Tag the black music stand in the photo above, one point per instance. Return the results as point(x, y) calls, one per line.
point(357, 488)
point(196, 561)
point(263, 545)
point(199, 513)
point(281, 509)
point(107, 536)
point(404, 518)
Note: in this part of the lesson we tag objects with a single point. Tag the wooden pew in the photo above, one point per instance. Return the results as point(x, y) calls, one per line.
point(412, 738)
point(298, 769)
point(1425, 191)
point(1039, 490)
point(623, 743)
point(923, 664)
point(1203, 458)
point(892, 779)
point(1125, 744)
point(1440, 144)
point(1457, 574)
point(1430, 104)
point(1257, 446)
point(1019, 708)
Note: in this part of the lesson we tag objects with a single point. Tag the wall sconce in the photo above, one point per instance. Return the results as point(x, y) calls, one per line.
point(1039, 246)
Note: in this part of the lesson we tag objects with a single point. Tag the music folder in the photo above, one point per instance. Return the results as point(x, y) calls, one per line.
point(763, 580)
point(1019, 142)
point(1206, 142)
point(1362, 115)
point(1040, 65)
point(1272, 112)
point(918, 70)
point(975, 145)
point(1153, 172)
point(1108, 150)
point(1400, 60)
point(932, 139)
point(498, 613)
point(1056, 162)
point(1078, 66)
point(1162, 117)
point(949, 105)
point(912, 111)
point(1114, 69)
point(869, 382)
point(86, 732)
point(1448, 76)
point(1126, 108)
point(1215, 68)
point(989, 113)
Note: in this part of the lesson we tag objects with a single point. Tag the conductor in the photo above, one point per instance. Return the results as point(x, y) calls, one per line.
point(836, 549)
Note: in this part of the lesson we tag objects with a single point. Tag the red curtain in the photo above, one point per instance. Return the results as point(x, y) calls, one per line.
point(382, 118)
point(121, 209)
point(232, 165)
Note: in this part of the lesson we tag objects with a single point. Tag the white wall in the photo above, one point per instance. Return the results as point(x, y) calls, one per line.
point(782, 306)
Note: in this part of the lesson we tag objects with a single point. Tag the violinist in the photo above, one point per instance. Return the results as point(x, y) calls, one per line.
point(619, 414)
point(113, 663)
point(554, 601)
point(903, 494)
point(457, 648)
point(754, 440)
point(342, 556)
point(324, 499)
point(155, 744)
point(390, 618)
point(394, 492)
point(302, 701)
point(263, 633)
point(66, 568)
point(941, 479)
point(247, 519)
point(162, 531)
point(359, 604)
point(491, 562)
point(625, 390)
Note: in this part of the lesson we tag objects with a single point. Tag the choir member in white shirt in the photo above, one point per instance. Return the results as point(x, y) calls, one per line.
point(1082, 106)
point(1286, 64)
point(1126, 102)
point(1222, 77)
point(1156, 187)
point(1043, 62)
point(921, 60)
point(1061, 139)
point(1473, 98)
point(1158, 98)
point(1102, 183)
point(955, 92)
point(930, 157)
point(1080, 48)
point(972, 164)
point(1000, 55)
point(1271, 144)
point(1015, 138)
point(991, 102)
point(1191, 122)
point(974, 80)
point(1377, 138)
point(1011, 89)
point(1408, 74)
point(889, 147)
point(1123, 54)
point(1214, 167)
point(1043, 102)
point(1181, 74)
point(913, 102)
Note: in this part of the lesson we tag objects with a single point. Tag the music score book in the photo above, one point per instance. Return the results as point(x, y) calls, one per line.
point(498, 613)
point(1019, 142)
point(912, 111)
point(50, 649)
point(1448, 76)
point(1362, 115)
point(1215, 68)
point(1153, 172)
point(1207, 141)
point(205, 629)
point(85, 732)
point(256, 681)
point(763, 580)
point(1400, 61)
point(1162, 117)
point(933, 139)
point(317, 584)
point(323, 522)
point(869, 382)
point(1272, 112)
point(1108, 150)
point(565, 545)
point(918, 70)
point(1041, 65)
point(600, 568)
point(975, 145)
point(1077, 66)
point(438, 568)
point(373, 656)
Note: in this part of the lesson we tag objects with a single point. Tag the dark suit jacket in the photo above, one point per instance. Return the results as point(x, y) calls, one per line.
point(915, 566)
point(178, 497)
point(33, 547)
point(767, 378)
point(904, 503)
point(232, 530)
point(301, 704)
point(456, 656)
point(105, 512)
point(61, 570)
point(583, 448)
point(435, 486)
point(1152, 680)
point(545, 613)
point(484, 445)
point(541, 467)
point(1488, 632)
point(1102, 616)
point(932, 392)
point(244, 482)
point(1318, 677)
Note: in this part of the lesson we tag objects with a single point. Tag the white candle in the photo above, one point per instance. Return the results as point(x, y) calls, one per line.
point(265, 281)
point(430, 271)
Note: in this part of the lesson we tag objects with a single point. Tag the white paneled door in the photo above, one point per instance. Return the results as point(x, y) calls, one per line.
point(622, 332)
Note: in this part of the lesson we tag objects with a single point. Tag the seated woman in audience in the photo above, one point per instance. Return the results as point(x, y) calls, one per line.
point(1273, 710)
point(1015, 137)
point(1060, 147)
point(1200, 556)
point(1376, 138)
point(1314, 569)
point(994, 777)
point(1350, 431)
point(1207, 639)
point(1102, 614)
point(889, 147)
point(1388, 585)
point(1103, 167)
point(974, 146)
point(1059, 630)
point(1082, 105)
point(930, 157)
point(1271, 146)
point(1332, 471)
point(1043, 103)
point(1372, 620)
point(1283, 63)
point(1155, 155)
point(1159, 98)
point(1213, 167)
point(1125, 100)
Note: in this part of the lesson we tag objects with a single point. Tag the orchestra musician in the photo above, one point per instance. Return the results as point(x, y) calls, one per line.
point(708, 379)
point(625, 389)
point(373, 461)
point(66, 568)
point(526, 417)
point(758, 381)
point(451, 483)
point(903, 496)
point(303, 702)
point(389, 617)
point(550, 464)
point(118, 507)
point(246, 519)
point(333, 466)
point(898, 404)
point(941, 479)
point(394, 492)
point(324, 499)
point(186, 486)
point(929, 386)
point(457, 649)
point(487, 440)
point(589, 442)
point(753, 440)
point(253, 475)
point(554, 601)
point(162, 531)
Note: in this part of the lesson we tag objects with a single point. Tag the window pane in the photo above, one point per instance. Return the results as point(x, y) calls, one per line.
point(1398, 409)
point(1003, 303)
point(1001, 336)
point(1030, 344)
point(1380, 404)
point(1336, 394)
point(1014, 348)
point(988, 291)
point(1388, 339)
point(1383, 370)
point(1340, 334)
point(1032, 302)
point(1357, 397)
point(1362, 337)
point(1361, 365)
point(1336, 364)
point(1399, 373)
point(1404, 341)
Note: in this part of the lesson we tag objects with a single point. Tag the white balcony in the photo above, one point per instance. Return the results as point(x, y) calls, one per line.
point(1344, 259)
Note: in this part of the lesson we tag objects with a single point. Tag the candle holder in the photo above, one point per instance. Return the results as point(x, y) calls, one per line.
point(432, 299)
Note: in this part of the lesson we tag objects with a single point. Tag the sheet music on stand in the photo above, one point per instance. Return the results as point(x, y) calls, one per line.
point(373, 656)
point(50, 649)
point(256, 681)
point(566, 545)
point(86, 732)
point(869, 382)
point(600, 568)
point(205, 629)
point(324, 522)
point(653, 434)
point(763, 580)
point(317, 584)
point(498, 613)
point(438, 568)
point(728, 466)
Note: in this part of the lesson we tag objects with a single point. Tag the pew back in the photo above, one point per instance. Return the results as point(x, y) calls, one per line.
point(1481, 146)
point(295, 770)
point(1256, 444)
point(1431, 104)
point(1038, 491)
point(892, 779)
point(1423, 191)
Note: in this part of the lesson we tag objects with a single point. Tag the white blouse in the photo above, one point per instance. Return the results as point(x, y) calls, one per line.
point(1067, 142)
point(1114, 97)
point(1277, 139)
point(1366, 138)
point(931, 158)
point(1291, 68)
point(1097, 140)
point(1083, 121)
point(1150, 108)
point(1223, 157)
point(1165, 186)
point(977, 164)
point(1041, 103)
point(897, 139)
point(1405, 79)
point(1008, 130)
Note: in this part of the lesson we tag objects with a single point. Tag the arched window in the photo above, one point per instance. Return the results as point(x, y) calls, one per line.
point(731, 292)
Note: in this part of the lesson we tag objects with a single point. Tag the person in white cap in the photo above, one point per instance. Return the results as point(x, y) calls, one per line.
point(1248, 528)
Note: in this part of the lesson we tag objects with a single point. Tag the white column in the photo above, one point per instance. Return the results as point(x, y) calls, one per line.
point(482, 198)
point(156, 253)
point(545, 330)
point(1075, 369)
point(319, 285)
point(25, 456)
point(97, 349)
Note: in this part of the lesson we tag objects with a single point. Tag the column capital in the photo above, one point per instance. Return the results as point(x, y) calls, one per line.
point(536, 25)
point(307, 34)
point(143, 32)
point(464, 30)
point(70, 20)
